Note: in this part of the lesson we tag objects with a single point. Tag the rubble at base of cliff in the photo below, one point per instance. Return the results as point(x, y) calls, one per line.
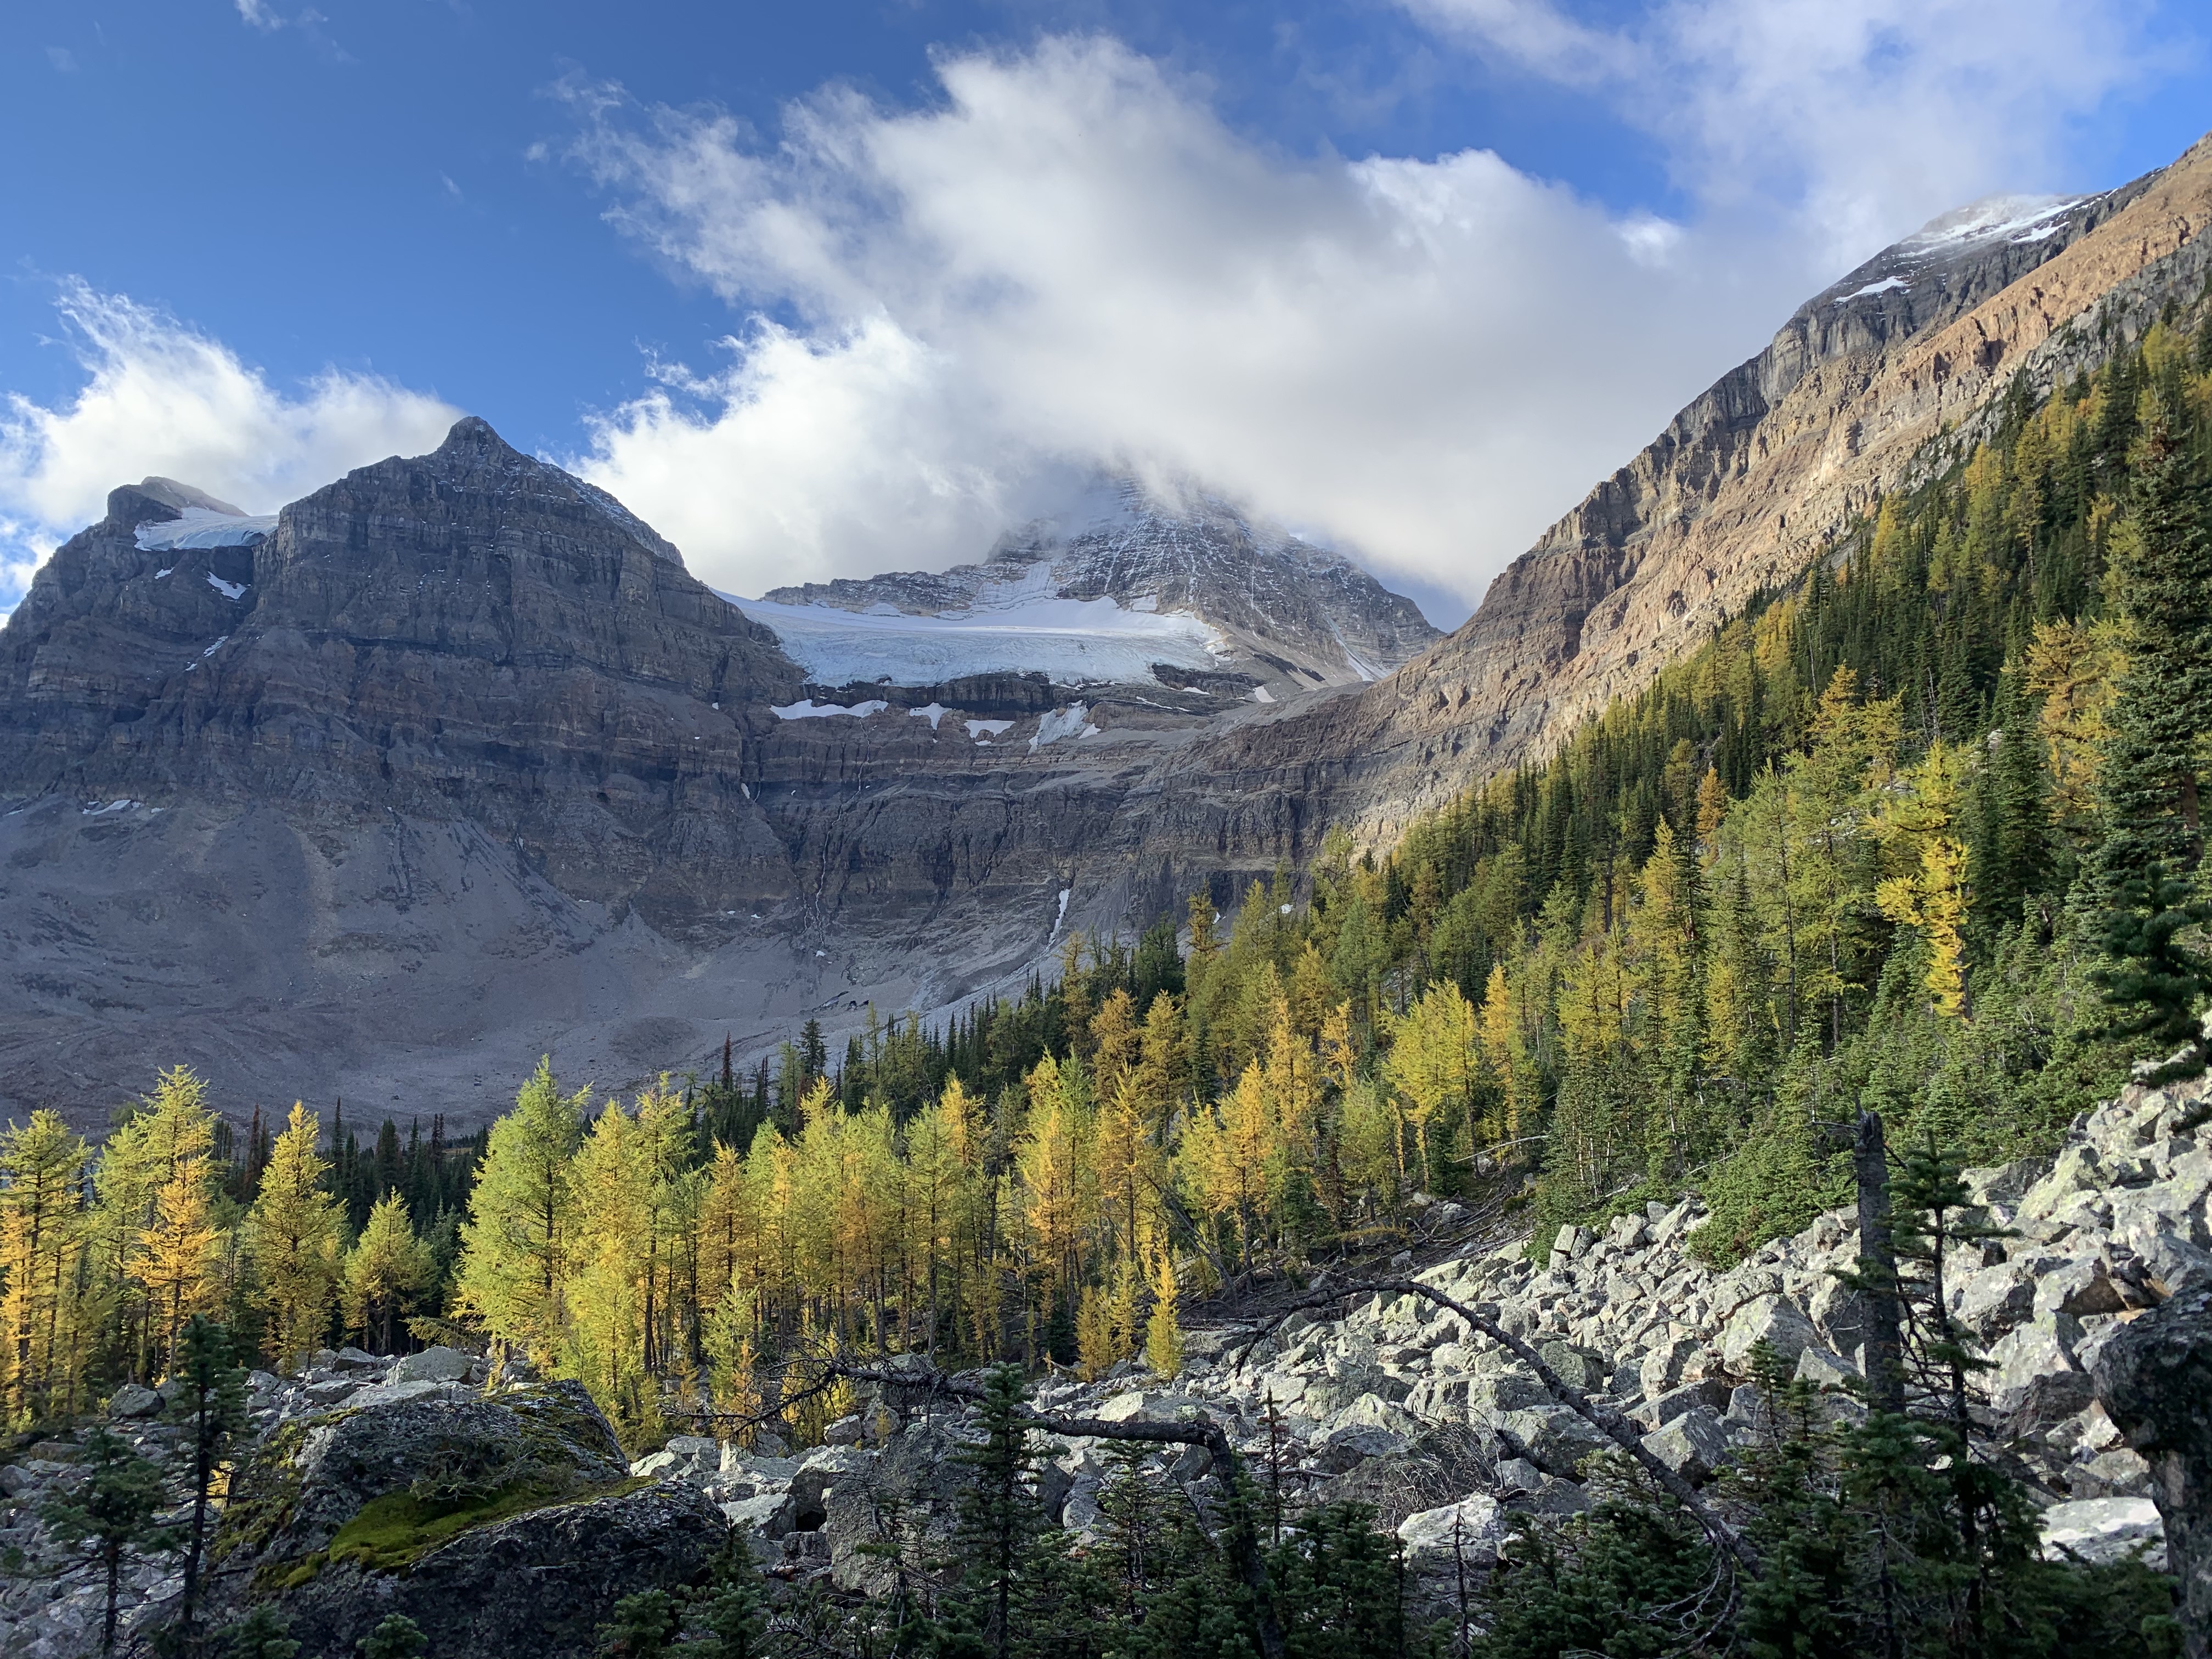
point(1397, 1404)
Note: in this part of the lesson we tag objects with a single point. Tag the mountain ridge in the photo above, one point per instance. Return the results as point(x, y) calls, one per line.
point(1836, 411)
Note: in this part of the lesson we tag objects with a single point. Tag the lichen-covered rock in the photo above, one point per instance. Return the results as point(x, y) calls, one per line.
point(2154, 1380)
point(539, 1583)
point(505, 1524)
point(318, 1474)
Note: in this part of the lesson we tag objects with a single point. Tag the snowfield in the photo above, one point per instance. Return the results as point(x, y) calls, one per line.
point(1013, 628)
point(200, 528)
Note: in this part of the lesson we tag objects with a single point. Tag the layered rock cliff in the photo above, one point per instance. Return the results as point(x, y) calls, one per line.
point(453, 763)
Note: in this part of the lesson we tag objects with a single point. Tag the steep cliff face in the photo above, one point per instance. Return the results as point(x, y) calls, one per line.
point(470, 635)
point(453, 763)
point(1751, 484)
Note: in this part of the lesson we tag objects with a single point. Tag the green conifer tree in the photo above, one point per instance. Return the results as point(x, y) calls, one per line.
point(999, 1513)
point(113, 1511)
point(2153, 835)
point(263, 1634)
point(396, 1637)
point(211, 1403)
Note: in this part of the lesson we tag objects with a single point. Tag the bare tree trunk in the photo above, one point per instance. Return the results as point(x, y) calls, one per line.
point(1883, 1355)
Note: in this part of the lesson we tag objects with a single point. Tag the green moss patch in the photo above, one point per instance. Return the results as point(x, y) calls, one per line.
point(392, 1533)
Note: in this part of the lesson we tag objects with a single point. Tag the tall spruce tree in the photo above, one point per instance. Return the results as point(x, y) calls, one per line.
point(998, 1515)
point(2153, 834)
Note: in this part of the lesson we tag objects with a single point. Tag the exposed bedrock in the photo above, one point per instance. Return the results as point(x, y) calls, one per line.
point(2155, 1381)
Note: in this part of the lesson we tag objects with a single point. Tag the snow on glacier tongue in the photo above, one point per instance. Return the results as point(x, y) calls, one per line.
point(1015, 628)
point(199, 527)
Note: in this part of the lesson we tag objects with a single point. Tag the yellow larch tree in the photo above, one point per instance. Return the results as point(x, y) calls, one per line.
point(1433, 1058)
point(1058, 1191)
point(516, 1244)
point(178, 1267)
point(386, 1269)
point(294, 1233)
point(42, 1240)
point(604, 1340)
point(1929, 891)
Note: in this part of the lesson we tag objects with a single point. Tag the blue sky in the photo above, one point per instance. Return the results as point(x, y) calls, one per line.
point(283, 238)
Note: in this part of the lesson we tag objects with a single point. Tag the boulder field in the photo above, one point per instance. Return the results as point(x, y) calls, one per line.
point(425, 1485)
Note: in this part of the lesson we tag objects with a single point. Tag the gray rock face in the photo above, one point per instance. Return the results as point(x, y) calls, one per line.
point(343, 1517)
point(2155, 1381)
point(2105, 1530)
point(464, 706)
point(1693, 1445)
point(133, 1400)
point(431, 1365)
point(539, 1583)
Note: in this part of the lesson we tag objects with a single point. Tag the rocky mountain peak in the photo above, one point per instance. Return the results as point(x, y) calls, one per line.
point(1122, 585)
point(183, 497)
point(1756, 478)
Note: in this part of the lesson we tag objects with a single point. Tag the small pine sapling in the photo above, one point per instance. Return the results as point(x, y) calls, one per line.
point(646, 1625)
point(113, 1511)
point(263, 1634)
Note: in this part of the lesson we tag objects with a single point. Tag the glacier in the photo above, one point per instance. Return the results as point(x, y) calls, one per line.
point(198, 527)
point(1013, 627)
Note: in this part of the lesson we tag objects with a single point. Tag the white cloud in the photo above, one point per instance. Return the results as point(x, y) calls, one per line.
point(1072, 260)
point(160, 398)
point(1854, 121)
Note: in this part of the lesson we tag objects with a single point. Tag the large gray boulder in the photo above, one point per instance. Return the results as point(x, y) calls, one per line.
point(503, 1525)
point(431, 1365)
point(1774, 1320)
point(2154, 1380)
point(541, 1582)
point(1450, 1552)
point(1693, 1445)
point(2104, 1530)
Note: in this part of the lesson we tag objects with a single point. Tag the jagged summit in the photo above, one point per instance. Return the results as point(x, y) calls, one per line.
point(474, 432)
point(1121, 586)
point(184, 498)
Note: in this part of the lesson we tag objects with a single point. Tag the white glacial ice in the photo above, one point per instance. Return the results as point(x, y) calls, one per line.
point(198, 527)
point(1013, 628)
